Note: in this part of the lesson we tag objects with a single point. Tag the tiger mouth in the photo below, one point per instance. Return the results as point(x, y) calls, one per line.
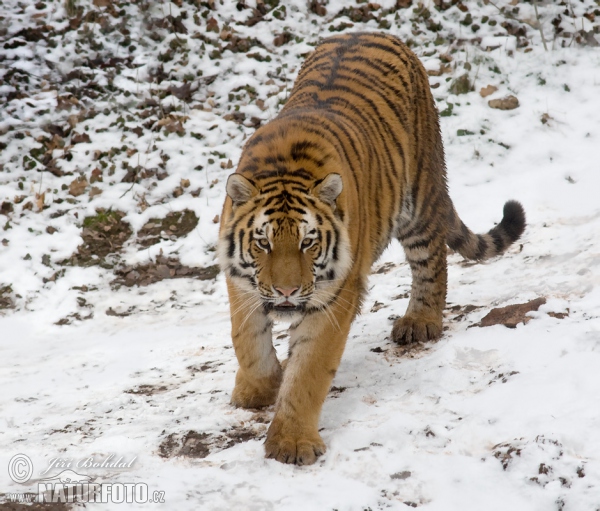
point(285, 307)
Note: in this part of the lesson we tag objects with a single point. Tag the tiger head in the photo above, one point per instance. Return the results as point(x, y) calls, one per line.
point(284, 243)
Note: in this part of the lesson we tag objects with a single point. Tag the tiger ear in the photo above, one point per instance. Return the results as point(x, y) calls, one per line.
point(329, 188)
point(240, 189)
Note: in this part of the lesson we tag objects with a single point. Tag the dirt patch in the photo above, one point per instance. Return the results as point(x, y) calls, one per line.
point(460, 312)
point(174, 225)
point(162, 268)
point(200, 445)
point(414, 350)
point(210, 367)
point(67, 320)
point(6, 297)
point(511, 315)
point(103, 234)
point(336, 391)
point(146, 390)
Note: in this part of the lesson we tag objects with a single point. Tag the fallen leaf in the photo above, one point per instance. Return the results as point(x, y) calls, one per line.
point(6, 208)
point(78, 186)
point(80, 138)
point(96, 175)
point(487, 91)
point(39, 200)
point(73, 120)
point(506, 103)
point(95, 191)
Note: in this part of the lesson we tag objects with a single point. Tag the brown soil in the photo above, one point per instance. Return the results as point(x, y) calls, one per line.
point(103, 234)
point(146, 390)
point(6, 301)
point(175, 224)
point(511, 315)
point(162, 268)
point(200, 445)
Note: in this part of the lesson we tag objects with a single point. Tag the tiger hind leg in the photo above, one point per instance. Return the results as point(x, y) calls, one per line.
point(426, 254)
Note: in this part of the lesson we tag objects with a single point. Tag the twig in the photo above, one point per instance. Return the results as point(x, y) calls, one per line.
point(537, 16)
point(513, 17)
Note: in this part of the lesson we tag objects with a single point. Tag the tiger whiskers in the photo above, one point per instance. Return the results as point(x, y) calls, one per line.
point(249, 314)
point(323, 307)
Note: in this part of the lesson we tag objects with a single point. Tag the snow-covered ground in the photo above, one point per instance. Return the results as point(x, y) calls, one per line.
point(487, 418)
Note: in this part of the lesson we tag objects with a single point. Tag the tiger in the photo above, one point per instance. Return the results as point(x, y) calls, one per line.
point(353, 160)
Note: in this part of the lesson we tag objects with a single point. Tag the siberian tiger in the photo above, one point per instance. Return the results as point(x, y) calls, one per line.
point(353, 160)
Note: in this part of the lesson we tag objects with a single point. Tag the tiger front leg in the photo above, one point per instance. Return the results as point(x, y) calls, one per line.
point(426, 255)
point(259, 375)
point(316, 347)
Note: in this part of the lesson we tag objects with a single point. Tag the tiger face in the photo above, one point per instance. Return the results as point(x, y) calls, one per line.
point(285, 244)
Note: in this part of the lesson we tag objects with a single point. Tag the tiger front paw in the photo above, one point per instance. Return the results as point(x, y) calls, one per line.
point(287, 442)
point(255, 392)
point(416, 328)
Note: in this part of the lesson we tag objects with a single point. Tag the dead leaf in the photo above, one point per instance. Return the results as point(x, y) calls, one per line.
point(511, 315)
point(96, 175)
point(216, 219)
point(73, 120)
point(444, 68)
point(39, 200)
point(506, 103)
point(6, 208)
point(184, 92)
point(173, 123)
point(95, 191)
point(78, 186)
point(487, 91)
point(212, 25)
point(80, 138)
point(185, 183)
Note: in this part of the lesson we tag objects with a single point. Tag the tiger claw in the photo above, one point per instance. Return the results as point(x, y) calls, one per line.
point(288, 445)
point(411, 329)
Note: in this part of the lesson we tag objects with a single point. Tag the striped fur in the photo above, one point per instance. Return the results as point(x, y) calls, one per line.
point(354, 159)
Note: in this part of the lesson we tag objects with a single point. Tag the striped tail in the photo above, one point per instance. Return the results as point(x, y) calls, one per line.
point(483, 246)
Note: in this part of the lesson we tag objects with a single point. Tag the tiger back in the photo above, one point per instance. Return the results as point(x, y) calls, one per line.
point(353, 160)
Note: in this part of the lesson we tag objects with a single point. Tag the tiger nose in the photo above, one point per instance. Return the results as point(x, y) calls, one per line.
point(287, 292)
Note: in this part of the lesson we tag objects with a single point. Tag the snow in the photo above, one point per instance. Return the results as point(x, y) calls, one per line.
point(486, 418)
